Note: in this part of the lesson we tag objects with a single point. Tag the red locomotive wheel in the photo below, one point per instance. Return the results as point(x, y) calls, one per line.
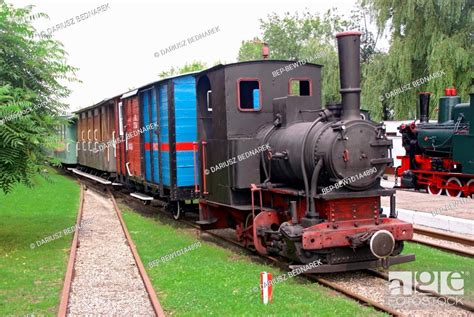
point(470, 186)
point(454, 187)
point(434, 190)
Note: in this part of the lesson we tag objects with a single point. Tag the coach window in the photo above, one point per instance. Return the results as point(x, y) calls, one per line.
point(249, 95)
point(300, 87)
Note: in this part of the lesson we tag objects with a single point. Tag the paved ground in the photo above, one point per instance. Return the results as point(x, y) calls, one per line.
point(106, 279)
point(442, 205)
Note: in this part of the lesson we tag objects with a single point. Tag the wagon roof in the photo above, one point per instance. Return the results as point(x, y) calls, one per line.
point(262, 61)
point(218, 66)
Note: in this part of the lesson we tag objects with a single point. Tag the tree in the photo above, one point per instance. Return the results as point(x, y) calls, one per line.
point(31, 69)
point(311, 38)
point(187, 68)
point(373, 64)
point(427, 37)
point(250, 50)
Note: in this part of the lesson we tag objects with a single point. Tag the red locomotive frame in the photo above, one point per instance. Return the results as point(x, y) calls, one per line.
point(435, 182)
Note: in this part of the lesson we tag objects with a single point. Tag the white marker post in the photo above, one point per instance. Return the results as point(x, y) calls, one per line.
point(266, 286)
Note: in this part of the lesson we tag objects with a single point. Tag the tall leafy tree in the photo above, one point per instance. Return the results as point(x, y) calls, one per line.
point(250, 50)
point(373, 64)
point(427, 37)
point(32, 70)
point(187, 68)
point(310, 37)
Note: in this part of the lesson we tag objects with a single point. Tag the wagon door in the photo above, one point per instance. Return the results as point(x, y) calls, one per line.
point(132, 137)
point(154, 138)
point(164, 136)
point(185, 129)
point(145, 102)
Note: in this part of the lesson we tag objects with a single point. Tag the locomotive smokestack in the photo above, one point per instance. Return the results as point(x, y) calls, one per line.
point(424, 106)
point(348, 44)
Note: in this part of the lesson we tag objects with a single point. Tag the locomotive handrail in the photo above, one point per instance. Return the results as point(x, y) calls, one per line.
point(83, 143)
point(67, 147)
point(95, 132)
point(254, 188)
point(88, 134)
point(77, 149)
point(204, 143)
point(196, 187)
point(82, 135)
point(89, 145)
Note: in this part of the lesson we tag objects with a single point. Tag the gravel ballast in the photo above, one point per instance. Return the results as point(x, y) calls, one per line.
point(106, 280)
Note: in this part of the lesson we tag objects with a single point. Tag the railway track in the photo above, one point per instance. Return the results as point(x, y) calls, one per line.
point(331, 281)
point(141, 268)
point(72, 258)
point(66, 298)
point(460, 245)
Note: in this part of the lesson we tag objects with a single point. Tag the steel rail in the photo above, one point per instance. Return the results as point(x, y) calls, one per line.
point(285, 266)
point(141, 268)
point(464, 305)
point(466, 241)
point(72, 258)
point(453, 237)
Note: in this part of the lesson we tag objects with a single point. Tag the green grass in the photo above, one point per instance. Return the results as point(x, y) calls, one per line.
point(31, 279)
point(213, 281)
point(429, 259)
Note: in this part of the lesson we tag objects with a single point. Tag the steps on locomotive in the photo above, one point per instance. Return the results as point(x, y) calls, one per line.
point(207, 222)
point(93, 177)
point(141, 196)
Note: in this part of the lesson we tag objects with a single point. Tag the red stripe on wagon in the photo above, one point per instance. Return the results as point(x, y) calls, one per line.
point(180, 146)
point(147, 146)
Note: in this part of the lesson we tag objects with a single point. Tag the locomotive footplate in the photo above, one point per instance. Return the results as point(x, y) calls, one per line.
point(353, 266)
point(325, 235)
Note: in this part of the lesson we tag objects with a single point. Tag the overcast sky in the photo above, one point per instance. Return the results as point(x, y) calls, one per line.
point(115, 49)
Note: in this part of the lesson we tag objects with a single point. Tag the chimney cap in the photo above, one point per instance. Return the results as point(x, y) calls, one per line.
point(348, 33)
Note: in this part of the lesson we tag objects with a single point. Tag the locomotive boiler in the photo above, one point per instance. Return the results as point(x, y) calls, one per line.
point(314, 194)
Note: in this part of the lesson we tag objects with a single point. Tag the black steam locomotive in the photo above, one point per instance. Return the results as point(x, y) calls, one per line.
point(315, 193)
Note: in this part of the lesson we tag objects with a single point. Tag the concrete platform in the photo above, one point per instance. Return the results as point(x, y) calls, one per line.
point(447, 223)
point(423, 202)
point(440, 212)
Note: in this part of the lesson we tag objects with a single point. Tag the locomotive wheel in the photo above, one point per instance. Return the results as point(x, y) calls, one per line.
point(457, 190)
point(470, 188)
point(434, 190)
